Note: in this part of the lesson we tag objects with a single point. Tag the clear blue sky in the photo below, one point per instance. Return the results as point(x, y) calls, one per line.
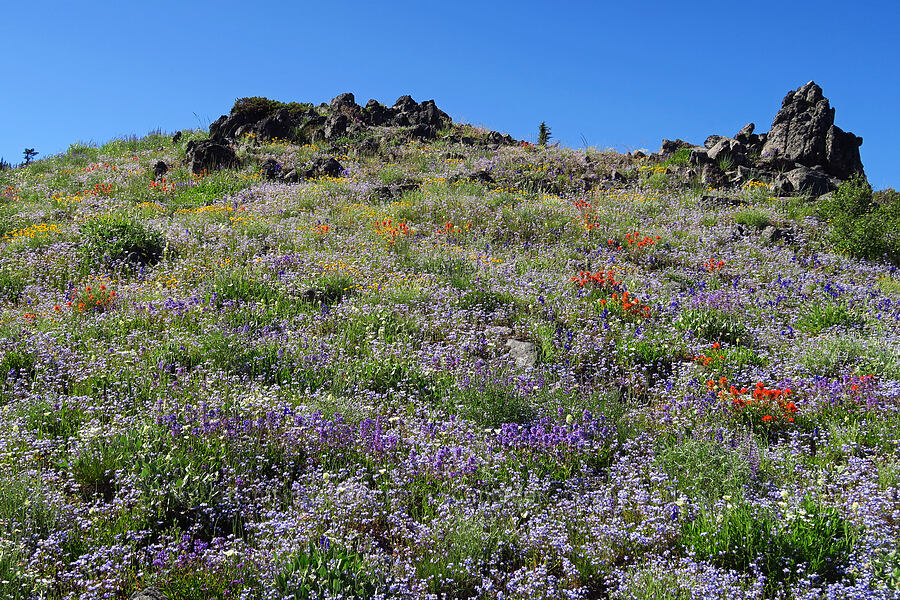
point(611, 74)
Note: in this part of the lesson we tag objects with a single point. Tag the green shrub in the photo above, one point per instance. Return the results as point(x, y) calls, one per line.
point(887, 569)
point(862, 226)
point(258, 107)
point(715, 326)
point(487, 301)
point(752, 218)
point(682, 156)
point(704, 469)
point(815, 536)
point(326, 568)
point(823, 316)
point(240, 285)
point(118, 237)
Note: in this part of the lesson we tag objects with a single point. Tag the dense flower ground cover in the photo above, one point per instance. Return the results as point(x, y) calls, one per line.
point(228, 387)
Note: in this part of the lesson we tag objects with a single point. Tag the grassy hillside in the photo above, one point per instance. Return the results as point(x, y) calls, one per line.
point(451, 371)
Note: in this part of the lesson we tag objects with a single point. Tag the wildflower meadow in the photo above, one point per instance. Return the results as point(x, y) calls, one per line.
point(408, 381)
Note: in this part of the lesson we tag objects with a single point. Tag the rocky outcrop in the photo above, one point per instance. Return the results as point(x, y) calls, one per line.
point(209, 156)
point(804, 152)
point(804, 132)
point(301, 123)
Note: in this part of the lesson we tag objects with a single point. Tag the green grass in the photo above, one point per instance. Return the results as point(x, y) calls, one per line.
point(813, 535)
point(752, 217)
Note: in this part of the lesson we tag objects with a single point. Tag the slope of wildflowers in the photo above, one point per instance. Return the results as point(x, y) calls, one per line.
point(227, 387)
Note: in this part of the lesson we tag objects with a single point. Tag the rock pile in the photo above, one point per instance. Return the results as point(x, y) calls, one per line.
point(305, 124)
point(803, 152)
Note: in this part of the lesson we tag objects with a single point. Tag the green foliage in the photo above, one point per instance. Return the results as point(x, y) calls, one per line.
point(823, 316)
point(463, 540)
point(543, 134)
point(887, 569)
point(715, 326)
point(489, 403)
point(837, 355)
point(861, 225)
point(208, 190)
point(327, 568)
point(241, 285)
point(682, 157)
point(258, 107)
point(118, 237)
point(814, 535)
point(54, 421)
point(752, 217)
point(197, 580)
point(704, 469)
point(487, 301)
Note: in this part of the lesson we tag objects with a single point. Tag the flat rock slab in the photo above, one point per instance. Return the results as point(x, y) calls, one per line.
point(524, 353)
point(150, 593)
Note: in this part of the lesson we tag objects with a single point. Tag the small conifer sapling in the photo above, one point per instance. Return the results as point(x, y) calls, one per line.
point(543, 134)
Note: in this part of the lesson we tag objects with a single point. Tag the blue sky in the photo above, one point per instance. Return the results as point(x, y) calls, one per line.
point(606, 74)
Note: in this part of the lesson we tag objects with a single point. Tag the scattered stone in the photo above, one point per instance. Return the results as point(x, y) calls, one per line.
point(771, 234)
point(713, 176)
point(324, 167)
point(744, 135)
point(148, 593)
point(368, 147)
point(423, 132)
point(160, 169)
point(670, 147)
point(271, 169)
point(176, 138)
point(209, 156)
point(395, 190)
point(700, 156)
point(292, 176)
point(522, 352)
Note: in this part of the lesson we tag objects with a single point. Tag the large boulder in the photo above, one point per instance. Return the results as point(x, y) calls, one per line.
point(207, 155)
point(804, 132)
point(803, 180)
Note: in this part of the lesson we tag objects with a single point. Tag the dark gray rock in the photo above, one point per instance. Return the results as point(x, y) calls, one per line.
point(345, 104)
point(771, 234)
point(700, 156)
point(368, 147)
point(291, 176)
point(501, 139)
point(324, 167)
point(713, 176)
point(160, 169)
point(804, 132)
point(803, 180)
point(423, 132)
point(405, 104)
point(744, 134)
point(209, 156)
point(336, 126)
point(148, 593)
point(712, 141)
point(669, 147)
point(176, 138)
point(271, 169)
point(377, 114)
point(281, 125)
point(728, 149)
